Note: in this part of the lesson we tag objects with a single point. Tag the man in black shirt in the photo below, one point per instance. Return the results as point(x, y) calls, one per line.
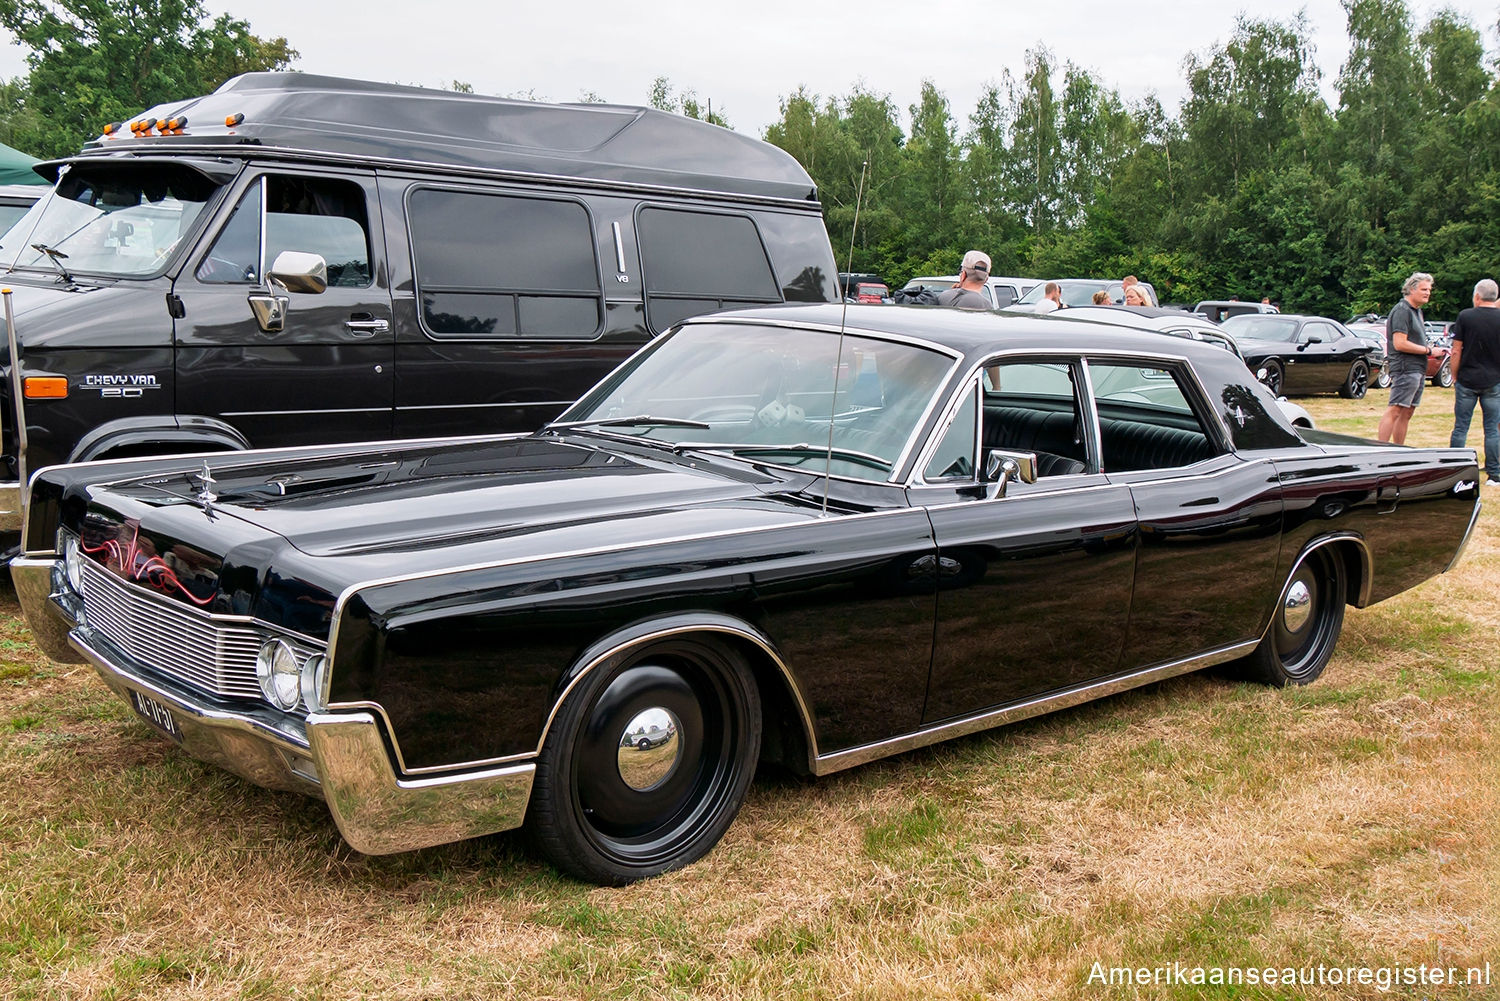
point(1476, 373)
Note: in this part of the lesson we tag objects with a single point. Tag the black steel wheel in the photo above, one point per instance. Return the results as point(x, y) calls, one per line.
point(1273, 377)
point(1305, 625)
point(607, 809)
point(1356, 382)
point(1444, 376)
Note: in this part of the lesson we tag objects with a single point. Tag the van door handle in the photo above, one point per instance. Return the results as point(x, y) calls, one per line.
point(366, 328)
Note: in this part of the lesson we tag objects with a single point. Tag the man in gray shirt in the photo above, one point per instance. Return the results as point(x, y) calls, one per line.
point(1407, 351)
point(969, 292)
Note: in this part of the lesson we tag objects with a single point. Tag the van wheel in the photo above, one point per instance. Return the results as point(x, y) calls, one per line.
point(1305, 626)
point(604, 809)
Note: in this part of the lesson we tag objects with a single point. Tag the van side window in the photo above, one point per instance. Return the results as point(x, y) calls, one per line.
point(504, 266)
point(315, 215)
point(699, 262)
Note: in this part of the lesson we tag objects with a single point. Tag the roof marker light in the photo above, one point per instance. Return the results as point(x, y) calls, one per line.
point(230, 121)
point(113, 127)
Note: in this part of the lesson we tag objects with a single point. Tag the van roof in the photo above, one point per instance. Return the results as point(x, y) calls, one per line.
point(339, 119)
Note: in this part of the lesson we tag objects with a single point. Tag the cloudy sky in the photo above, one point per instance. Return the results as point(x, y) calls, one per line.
point(745, 57)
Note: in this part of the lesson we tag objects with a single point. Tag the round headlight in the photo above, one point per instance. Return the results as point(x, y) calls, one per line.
point(73, 562)
point(312, 682)
point(276, 667)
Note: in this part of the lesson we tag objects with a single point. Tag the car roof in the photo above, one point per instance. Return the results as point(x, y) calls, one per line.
point(972, 331)
point(359, 121)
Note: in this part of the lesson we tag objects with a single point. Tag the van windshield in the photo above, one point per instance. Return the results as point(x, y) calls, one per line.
point(115, 220)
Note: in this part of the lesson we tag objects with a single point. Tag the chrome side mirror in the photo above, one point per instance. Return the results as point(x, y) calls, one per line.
point(292, 271)
point(1002, 467)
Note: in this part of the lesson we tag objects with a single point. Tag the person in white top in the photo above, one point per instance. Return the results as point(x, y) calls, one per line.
point(1051, 298)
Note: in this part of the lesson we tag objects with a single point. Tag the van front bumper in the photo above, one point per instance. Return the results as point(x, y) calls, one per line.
point(340, 757)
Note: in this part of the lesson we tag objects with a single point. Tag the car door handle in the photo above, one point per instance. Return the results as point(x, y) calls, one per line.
point(366, 328)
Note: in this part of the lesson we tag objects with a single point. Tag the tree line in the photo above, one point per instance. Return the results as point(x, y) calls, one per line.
point(1254, 186)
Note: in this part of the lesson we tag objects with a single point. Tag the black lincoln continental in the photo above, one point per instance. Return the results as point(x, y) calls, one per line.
point(784, 534)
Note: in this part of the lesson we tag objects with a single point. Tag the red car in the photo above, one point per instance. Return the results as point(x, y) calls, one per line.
point(871, 292)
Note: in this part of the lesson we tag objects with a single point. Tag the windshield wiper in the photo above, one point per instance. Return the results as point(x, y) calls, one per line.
point(55, 256)
point(800, 448)
point(639, 420)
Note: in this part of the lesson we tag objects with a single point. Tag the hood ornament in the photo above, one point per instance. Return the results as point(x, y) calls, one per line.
point(206, 495)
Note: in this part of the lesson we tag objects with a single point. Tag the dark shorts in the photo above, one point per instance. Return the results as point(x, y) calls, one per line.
point(1406, 387)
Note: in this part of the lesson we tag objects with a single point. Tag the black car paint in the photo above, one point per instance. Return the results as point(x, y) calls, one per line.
point(462, 585)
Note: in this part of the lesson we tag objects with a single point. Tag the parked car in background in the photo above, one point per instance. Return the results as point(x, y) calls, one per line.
point(1296, 355)
point(1219, 310)
point(1080, 291)
point(1439, 363)
point(813, 535)
point(1001, 291)
point(1181, 324)
point(15, 199)
point(870, 292)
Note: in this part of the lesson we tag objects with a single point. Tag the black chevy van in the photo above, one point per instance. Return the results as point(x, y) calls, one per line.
point(296, 259)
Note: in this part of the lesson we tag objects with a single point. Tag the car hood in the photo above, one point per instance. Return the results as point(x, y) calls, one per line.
point(316, 525)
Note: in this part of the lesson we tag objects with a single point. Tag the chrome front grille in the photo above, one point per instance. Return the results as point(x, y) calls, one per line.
point(212, 653)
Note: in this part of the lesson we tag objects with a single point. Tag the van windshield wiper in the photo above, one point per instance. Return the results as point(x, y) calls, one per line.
point(639, 420)
point(55, 256)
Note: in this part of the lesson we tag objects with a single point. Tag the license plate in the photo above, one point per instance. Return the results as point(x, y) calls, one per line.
point(156, 714)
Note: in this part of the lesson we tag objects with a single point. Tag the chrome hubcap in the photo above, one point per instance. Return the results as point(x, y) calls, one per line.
point(1296, 608)
point(650, 747)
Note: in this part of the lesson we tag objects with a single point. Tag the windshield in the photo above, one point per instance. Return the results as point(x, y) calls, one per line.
point(1075, 292)
point(114, 220)
point(1264, 326)
point(769, 392)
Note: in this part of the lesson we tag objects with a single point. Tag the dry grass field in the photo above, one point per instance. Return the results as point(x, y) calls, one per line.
point(1201, 822)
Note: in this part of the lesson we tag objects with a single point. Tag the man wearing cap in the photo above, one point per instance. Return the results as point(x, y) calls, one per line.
point(969, 292)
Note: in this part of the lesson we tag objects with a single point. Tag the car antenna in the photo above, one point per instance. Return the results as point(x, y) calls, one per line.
point(838, 361)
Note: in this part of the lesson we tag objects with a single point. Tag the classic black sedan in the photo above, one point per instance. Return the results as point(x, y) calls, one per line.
point(774, 534)
point(1297, 355)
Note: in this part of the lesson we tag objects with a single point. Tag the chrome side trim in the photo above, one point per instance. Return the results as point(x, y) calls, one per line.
point(379, 813)
point(44, 616)
point(1468, 534)
point(304, 413)
point(839, 760)
point(487, 406)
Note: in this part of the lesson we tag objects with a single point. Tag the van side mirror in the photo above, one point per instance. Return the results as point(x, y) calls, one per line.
point(292, 271)
point(298, 272)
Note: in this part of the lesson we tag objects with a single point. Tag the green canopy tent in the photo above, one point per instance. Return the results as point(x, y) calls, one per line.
point(15, 167)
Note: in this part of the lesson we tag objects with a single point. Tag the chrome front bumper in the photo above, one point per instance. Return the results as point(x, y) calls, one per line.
point(340, 757)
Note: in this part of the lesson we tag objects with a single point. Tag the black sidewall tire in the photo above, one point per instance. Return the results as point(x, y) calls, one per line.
point(582, 816)
point(1285, 658)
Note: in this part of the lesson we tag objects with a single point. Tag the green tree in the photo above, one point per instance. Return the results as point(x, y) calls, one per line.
point(96, 61)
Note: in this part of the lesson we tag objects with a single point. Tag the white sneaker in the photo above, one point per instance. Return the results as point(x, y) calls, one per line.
point(1492, 483)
